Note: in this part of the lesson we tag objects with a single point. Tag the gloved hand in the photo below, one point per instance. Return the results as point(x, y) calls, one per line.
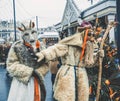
point(40, 56)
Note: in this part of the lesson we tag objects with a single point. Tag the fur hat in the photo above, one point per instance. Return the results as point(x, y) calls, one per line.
point(85, 23)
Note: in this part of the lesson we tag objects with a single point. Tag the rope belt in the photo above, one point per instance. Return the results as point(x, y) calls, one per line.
point(72, 65)
point(36, 90)
point(77, 66)
point(76, 81)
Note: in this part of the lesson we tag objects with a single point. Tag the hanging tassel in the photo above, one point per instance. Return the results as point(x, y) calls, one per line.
point(38, 45)
point(36, 90)
point(84, 44)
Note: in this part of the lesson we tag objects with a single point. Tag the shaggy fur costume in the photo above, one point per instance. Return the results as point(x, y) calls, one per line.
point(20, 71)
point(22, 65)
point(22, 86)
point(71, 82)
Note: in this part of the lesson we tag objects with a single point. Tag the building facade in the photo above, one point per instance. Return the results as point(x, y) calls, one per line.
point(104, 10)
point(7, 30)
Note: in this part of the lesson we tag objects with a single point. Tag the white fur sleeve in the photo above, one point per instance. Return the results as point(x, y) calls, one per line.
point(53, 52)
point(16, 69)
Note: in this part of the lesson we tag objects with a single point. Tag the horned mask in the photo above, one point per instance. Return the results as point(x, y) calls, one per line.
point(29, 34)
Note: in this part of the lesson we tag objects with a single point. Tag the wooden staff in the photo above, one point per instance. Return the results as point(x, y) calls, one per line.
point(112, 24)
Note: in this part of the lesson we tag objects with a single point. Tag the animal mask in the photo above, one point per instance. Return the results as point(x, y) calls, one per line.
point(29, 34)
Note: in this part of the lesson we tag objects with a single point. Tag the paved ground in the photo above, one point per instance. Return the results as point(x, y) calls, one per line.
point(5, 82)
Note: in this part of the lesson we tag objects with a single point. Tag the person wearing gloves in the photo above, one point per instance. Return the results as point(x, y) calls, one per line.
point(27, 83)
point(77, 53)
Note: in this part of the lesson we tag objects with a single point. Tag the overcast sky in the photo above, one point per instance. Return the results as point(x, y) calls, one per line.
point(49, 12)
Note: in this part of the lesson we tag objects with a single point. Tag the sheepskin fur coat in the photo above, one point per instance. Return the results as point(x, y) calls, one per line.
point(20, 66)
point(71, 83)
point(21, 71)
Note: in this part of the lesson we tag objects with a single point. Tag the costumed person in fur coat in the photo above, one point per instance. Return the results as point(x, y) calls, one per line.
point(77, 53)
point(22, 65)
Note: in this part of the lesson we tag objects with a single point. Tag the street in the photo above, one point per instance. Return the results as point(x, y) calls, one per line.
point(5, 82)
